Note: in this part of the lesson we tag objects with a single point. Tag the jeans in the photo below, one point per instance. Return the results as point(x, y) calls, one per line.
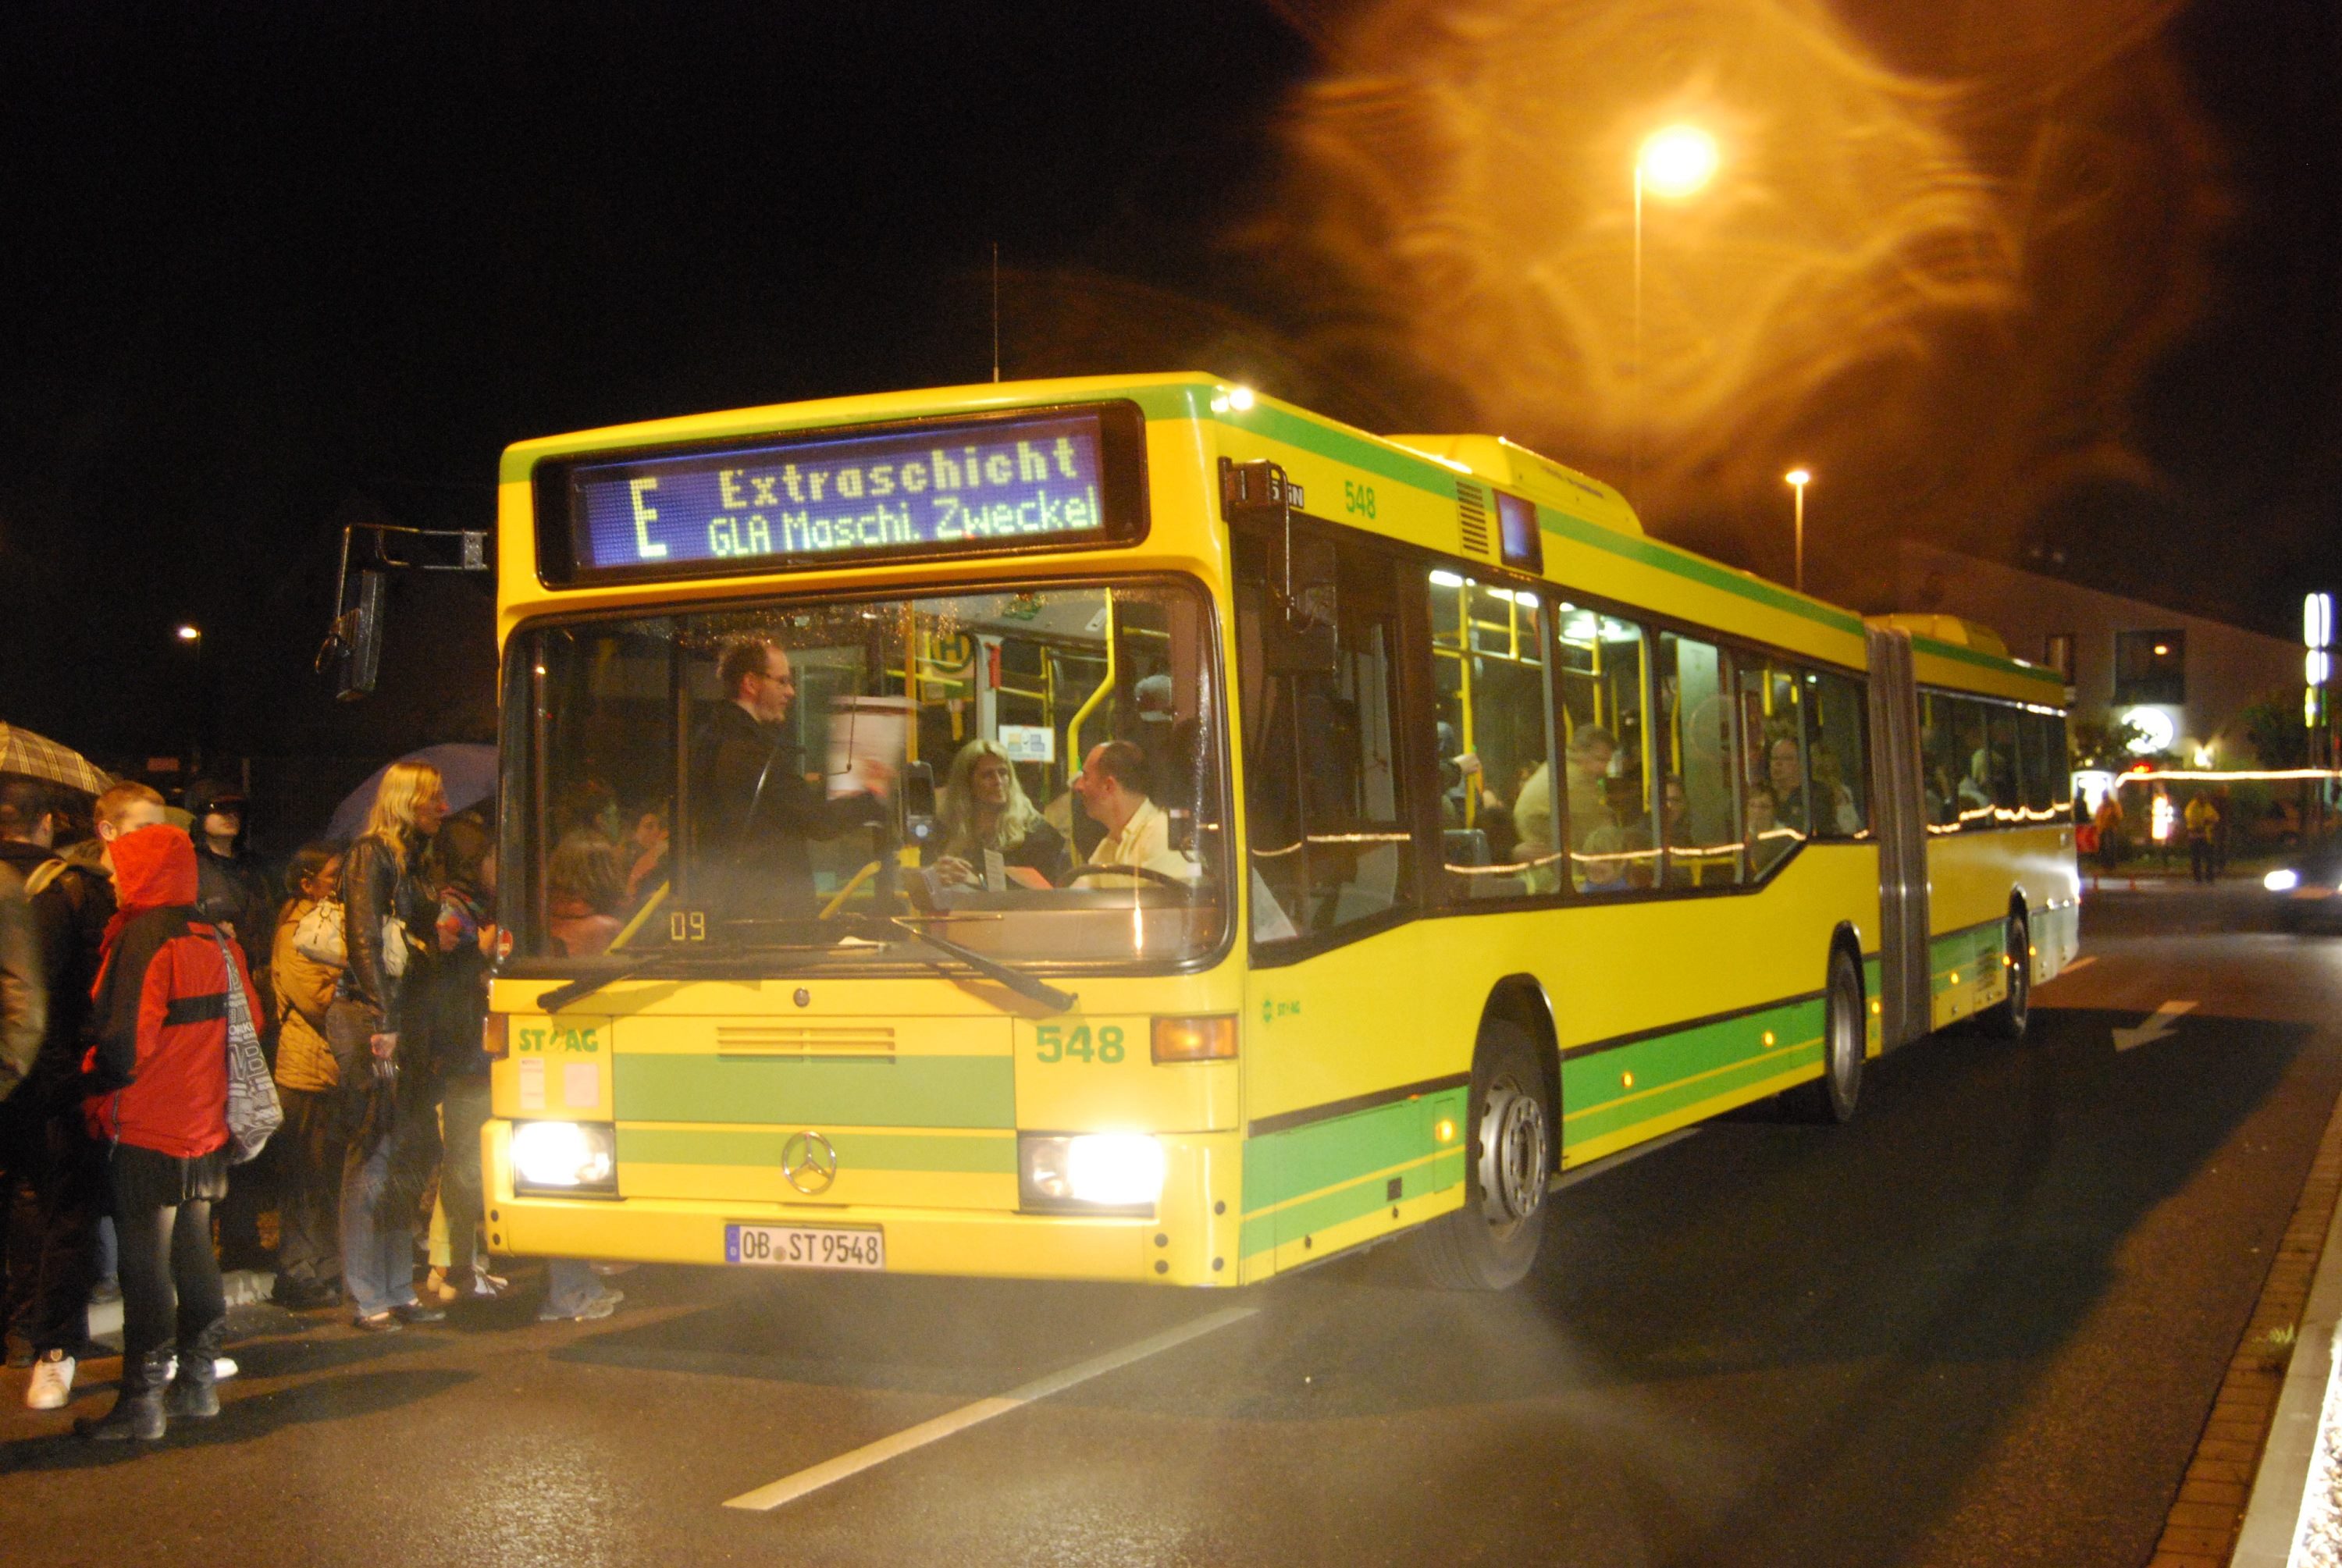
point(311, 1150)
point(463, 1112)
point(571, 1286)
point(377, 1260)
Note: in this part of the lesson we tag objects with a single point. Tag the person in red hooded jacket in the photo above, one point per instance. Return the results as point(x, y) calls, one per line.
point(159, 1066)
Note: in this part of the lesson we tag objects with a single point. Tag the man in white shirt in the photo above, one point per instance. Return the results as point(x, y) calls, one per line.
point(1112, 788)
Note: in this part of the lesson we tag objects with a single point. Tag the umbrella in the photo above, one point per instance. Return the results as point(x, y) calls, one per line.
point(468, 768)
point(36, 756)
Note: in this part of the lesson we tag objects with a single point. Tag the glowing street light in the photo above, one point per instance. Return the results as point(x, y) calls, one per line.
point(1677, 161)
point(1673, 162)
point(190, 634)
point(1798, 479)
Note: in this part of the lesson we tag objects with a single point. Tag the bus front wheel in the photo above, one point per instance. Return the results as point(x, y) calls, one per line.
point(1490, 1243)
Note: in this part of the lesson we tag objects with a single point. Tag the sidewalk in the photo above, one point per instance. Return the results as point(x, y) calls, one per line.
point(2292, 1516)
point(244, 1287)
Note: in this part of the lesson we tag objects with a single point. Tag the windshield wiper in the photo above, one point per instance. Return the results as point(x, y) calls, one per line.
point(735, 966)
point(1024, 984)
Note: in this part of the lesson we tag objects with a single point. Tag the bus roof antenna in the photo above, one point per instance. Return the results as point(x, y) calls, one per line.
point(996, 312)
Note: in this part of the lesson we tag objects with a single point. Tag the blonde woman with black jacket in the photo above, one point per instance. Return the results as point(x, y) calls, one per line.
point(386, 906)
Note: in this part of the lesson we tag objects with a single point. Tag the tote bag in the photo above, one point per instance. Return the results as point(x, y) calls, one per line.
point(253, 1112)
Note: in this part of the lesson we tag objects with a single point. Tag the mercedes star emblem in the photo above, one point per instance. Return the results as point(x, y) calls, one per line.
point(809, 1162)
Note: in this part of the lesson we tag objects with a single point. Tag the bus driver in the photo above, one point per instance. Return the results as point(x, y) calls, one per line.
point(752, 808)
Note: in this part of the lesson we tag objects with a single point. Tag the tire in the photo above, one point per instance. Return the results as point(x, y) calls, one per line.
point(2007, 1019)
point(1489, 1243)
point(1829, 1100)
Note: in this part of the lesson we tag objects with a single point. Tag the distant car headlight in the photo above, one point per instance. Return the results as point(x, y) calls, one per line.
point(2282, 880)
point(1091, 1173)
point(567, 1159)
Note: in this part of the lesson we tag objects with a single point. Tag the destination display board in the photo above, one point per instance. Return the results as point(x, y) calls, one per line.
point(1040, 480)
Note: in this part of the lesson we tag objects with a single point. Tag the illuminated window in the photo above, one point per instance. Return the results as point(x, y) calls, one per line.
point(2150, 667)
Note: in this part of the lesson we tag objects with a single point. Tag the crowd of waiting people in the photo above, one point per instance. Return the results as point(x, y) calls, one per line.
point(129, 947)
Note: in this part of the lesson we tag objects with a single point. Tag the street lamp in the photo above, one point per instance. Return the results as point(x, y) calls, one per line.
point(1673, 162)
point(192, 637)
point(1798, 479)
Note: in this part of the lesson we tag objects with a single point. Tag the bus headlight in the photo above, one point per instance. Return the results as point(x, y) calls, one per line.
point(1090, 1172)
point(2282, 880)
point(566, 1158)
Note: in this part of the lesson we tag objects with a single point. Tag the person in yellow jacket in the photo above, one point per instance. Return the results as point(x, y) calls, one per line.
point(2202, 819)
point(309, 1251)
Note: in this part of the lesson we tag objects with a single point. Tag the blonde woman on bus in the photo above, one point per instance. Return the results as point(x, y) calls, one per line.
point(986, 808)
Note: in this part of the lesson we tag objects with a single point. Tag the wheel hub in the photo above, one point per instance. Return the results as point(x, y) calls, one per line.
point(1514, 1156)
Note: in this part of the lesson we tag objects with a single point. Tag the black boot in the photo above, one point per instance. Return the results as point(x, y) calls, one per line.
point(193, 1393)
point(138, 1409)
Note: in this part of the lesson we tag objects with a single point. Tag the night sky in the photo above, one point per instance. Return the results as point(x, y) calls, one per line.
point(264, 269)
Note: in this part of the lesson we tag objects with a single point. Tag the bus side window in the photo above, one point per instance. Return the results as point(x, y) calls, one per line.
point(1972, 755)
point(1837, 754)
point(1774, 786)
point(1327, 828)
point(1699, 810)
point(2040, 762)
point(1493, 731)
point(1606, 794)
point(2000, 764)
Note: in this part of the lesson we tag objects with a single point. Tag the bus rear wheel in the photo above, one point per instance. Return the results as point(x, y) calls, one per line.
point(1490, 1243)
point(1831, 1099)
point(2006, 1019)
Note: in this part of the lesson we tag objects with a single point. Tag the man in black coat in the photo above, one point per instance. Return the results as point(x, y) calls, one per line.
point(753, 810)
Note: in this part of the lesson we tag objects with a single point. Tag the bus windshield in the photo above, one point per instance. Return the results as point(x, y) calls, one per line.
point(1031, 776)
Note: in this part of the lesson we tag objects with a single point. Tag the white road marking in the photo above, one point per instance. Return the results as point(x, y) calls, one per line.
point(791, 1487)
point(2158, 1024)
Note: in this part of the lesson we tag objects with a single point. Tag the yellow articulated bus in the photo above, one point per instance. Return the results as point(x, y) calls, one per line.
point(1129, 828)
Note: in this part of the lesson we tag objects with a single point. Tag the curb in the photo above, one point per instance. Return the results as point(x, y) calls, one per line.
point(2273, 1515)
point(2243, 1486)
point(241, 1286)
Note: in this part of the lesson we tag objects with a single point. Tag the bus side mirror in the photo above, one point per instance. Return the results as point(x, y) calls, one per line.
point(1302, 572)
point(358, 633)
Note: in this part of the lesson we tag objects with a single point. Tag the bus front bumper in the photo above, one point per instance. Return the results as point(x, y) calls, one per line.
point(1181, 1244)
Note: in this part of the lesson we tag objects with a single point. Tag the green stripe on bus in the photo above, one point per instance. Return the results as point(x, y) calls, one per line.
point(1366, 452)
point(1348, 1202)
point(1304, 1160)
point(1644, 551)
point(856, 1151)
point(908, 1092)
point(1672, 1071)
point(2049, 679)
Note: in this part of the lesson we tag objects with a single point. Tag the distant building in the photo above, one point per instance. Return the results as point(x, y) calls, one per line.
point(2183, 678)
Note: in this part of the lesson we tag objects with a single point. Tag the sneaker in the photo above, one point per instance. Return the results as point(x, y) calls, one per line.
point(489, 1286)
point(601, 1306)
point(417, 1312)
point(52, 1385)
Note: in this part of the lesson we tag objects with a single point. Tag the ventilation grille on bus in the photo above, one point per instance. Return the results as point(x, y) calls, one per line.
point(777, 1039)
point(1472, 517)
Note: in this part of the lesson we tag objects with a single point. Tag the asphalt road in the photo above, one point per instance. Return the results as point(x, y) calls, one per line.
point(1982, 1324)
